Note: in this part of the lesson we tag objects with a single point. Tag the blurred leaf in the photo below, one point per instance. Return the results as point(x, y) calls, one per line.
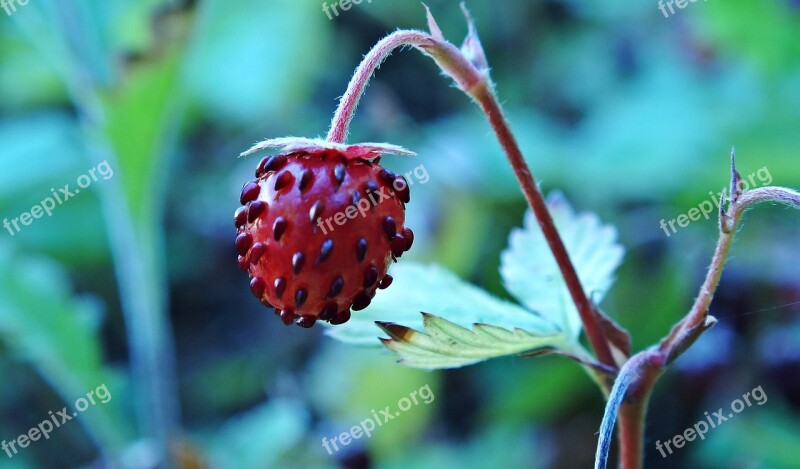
point(259, 438)
point(41, 324)
point(768, 440)
point(140, 120)
point(367, 382)
point(249, 63)
point(520, 391)
point(431, 289)
point(531, 273)
point(447, 345)
point(494, 446)
point(40, 156)
point(765, 32)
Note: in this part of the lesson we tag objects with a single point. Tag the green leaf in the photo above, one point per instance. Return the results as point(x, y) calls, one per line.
point(434, 290)
point(530, 272)
point(261, 437)
point(42, 325)
point(448, 345)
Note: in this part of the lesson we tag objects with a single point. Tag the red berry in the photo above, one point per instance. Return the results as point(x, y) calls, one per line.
point(318, 232)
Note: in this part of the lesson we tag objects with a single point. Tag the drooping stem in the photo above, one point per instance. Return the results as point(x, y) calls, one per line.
point(476, 83)
point(374, 58)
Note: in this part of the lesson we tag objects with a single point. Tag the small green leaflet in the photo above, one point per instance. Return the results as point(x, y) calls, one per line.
point(448, 345)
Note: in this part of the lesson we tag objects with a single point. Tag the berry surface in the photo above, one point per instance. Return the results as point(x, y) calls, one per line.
point(317, 232)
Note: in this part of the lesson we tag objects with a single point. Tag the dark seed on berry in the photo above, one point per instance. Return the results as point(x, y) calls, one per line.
point(409, 236)
point(284, 181)
point(370, 276)
point(297, 262)
point(300, 297)
point(243, 243)
point(306, 178)
point(280, 287)
point(400, 186)
point(361, 301)
point(275, 163)
point(240, 217)
point(328, 312)
point(257, 286)
point(398, 245)
point(371, 186)
point(336, 287)
point(361, 249)
point(325, 251)
point(341, 317)
point(287, 316)
point(307, 321)
point(387, 176)
point(338, 174)
point(243, 264)
point(256, 252)
point(316, 211)
point(278, 228)
point(260, 167)
point(250, 192)
point(385, 282)
point(356, 197)
point(389, 227)
point(257, 207)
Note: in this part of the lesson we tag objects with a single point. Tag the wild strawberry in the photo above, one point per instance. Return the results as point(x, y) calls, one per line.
point(319, 228)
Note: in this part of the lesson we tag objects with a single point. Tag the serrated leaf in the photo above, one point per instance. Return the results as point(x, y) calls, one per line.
point(445, 344)
point(530, 272)
point(432, 289)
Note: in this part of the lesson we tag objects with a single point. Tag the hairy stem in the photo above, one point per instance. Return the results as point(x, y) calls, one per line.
point(477, 85)
point(374, 58)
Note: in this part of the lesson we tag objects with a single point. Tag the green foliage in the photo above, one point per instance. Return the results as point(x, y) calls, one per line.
point(450, 307)
point(252, 436)
point(531, 274)
point(56, 334)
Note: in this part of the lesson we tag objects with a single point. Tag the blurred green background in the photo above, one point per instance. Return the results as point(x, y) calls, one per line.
point(631, 114)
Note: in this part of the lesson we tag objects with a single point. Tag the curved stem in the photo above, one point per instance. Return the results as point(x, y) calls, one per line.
point(370, 63)
point(476, 84)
